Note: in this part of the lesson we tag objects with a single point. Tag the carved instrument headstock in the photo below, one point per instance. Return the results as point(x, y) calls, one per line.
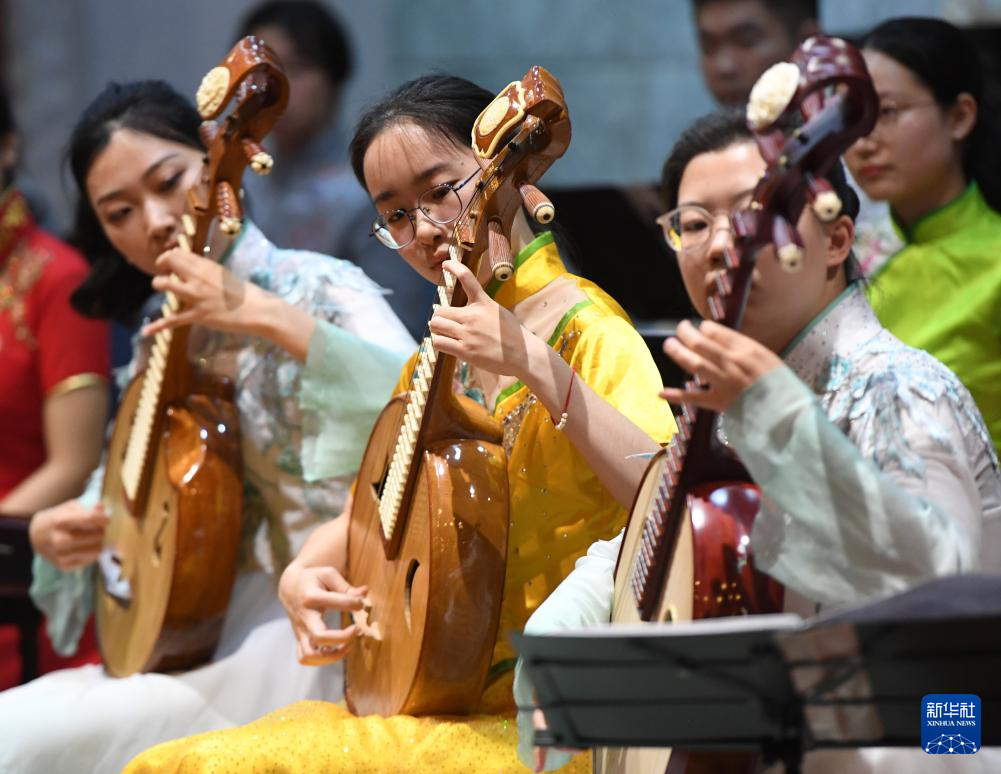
point(805, 113)
point(516, 138)
point(250, 79)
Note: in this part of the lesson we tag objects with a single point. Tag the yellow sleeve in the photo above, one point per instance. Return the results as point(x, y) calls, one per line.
point(406, 374)
point(614, 360)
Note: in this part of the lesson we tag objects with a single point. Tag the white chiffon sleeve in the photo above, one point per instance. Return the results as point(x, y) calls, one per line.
point(835, 526)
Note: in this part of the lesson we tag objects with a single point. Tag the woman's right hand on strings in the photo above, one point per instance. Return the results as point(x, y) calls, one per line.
point(69, 535)
point(307, 593)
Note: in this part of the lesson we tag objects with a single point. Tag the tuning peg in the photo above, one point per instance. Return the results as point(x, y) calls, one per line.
point(212, 91)
point(825, 202)
point(499, 251)
point(260, 160)
point(772, 94)
point(537, 203)
point(787, 243)
point(228, 207)
point(208, 130)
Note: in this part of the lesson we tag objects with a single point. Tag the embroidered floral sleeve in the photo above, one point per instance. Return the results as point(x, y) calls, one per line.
point(894, 504)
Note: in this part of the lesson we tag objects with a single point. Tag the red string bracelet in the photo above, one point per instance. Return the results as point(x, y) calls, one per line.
point(566, 403)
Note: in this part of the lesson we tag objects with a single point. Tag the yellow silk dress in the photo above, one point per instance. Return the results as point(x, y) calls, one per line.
point(557, 508)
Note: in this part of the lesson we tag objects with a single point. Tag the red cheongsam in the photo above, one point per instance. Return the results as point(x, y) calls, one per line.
point(46, 349)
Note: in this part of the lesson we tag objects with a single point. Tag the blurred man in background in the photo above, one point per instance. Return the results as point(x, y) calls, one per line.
point(740, 39)
point(311, 200)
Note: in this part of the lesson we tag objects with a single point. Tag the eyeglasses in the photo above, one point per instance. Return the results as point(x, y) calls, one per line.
point(689, 229)
point(441, 205)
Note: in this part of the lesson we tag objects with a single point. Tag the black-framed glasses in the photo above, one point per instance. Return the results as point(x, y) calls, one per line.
point(441, 205)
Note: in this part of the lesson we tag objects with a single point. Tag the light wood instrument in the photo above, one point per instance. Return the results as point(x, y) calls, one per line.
point(172, 483)
point(429, 523)
point(686, 550)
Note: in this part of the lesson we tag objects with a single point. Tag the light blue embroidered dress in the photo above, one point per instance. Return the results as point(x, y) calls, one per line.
point(304, 429)
point(876, 471)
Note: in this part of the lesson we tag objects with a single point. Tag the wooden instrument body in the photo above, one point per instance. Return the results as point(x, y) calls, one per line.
point(173, 485)
point(685, 553)
point(710, 574)
point(434, 605)
point(429, 520)
point(179, 551)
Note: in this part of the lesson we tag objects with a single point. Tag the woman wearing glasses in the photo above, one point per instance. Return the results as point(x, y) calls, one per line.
point(877, 470)
point(555, 360)
point(934, 156)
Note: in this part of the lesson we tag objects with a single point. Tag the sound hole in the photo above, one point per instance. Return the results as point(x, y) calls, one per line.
point(408, 589)
point(158, 537)
point(380, 485)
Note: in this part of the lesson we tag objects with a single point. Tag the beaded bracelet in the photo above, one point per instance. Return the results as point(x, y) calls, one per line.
point(566, 403)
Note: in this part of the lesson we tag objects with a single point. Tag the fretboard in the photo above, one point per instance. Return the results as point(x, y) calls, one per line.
point(137, 458)
point(406, 449)
point(692, 447)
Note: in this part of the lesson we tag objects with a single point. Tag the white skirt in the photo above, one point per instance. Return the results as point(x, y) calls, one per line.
point(81, 720)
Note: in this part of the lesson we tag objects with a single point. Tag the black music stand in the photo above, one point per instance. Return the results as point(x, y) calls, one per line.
point(776, 684)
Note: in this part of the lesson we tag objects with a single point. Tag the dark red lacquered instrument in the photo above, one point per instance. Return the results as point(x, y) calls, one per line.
point(685, 553)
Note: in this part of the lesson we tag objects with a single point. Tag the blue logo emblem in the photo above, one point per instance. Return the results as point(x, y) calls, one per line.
point(950, 723)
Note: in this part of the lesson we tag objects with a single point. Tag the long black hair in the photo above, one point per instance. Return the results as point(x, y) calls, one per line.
point(7, 127)
point(946, 61)
point(442, 105)
point(115, 289)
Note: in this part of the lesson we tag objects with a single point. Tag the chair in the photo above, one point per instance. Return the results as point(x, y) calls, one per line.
point(16, 607)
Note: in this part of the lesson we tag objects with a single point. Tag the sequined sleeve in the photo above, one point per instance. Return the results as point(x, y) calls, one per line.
point(845, 518)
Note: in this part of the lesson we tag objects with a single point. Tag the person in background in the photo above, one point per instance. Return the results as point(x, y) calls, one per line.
point(934, 157)
point(876, 469)
point(311, 200)
point(53, 375)
point(740, 39)
point(291, 330)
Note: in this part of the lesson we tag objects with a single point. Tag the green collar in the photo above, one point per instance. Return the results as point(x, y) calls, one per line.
point(536, 265)
point(965, 210)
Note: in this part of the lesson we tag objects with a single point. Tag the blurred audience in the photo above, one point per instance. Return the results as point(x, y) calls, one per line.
point(740, 39)
point(311, 200)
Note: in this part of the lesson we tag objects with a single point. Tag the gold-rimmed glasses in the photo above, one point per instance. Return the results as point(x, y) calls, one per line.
point(689, 229)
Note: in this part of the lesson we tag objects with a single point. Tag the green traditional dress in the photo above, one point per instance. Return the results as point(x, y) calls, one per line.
point(942, 293)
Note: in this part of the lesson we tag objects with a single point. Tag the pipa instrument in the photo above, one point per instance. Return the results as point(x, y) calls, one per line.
point(172, 482)
point(685, 553)
point(429, 521)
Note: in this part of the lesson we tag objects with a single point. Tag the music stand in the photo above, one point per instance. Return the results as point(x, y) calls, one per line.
point(774, 683)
